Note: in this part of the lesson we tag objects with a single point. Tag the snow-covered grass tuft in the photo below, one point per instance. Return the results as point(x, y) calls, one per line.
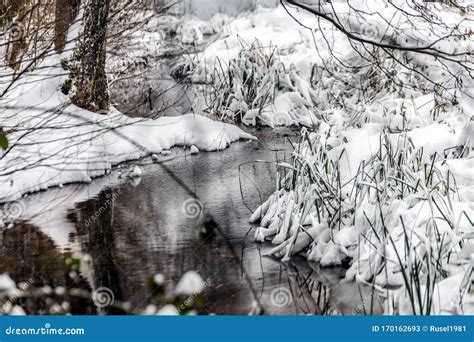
point(257, 88)
point(398, 218)
point(266, 68)
point(378, 182)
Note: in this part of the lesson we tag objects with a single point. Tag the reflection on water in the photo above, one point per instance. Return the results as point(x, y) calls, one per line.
point(31, 258)
point(188, 213)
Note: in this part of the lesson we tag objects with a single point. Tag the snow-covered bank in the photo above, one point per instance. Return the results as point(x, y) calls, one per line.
point(53, 142)
point(73, 145)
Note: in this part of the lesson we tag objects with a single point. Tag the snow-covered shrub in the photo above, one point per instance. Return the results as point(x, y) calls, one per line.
point(380, 185)
point(246, 83)
point(380, 92)
point(256, 88)
point(344, 92)
point(388, 207)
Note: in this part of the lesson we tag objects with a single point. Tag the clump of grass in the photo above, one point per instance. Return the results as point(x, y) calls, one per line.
point(246, 83)
point(399, 202)
point(250, 83)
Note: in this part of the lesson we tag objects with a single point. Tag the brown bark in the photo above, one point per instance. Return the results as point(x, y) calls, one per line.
point(15, 47)
point(91, 90)
point(65, 13)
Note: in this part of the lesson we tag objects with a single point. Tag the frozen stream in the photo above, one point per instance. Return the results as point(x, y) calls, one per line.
point(142, 229)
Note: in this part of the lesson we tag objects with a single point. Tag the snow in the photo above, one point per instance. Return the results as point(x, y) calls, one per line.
point(7, 286)
point(381, 179)
point(380, 167)
point(168, 310)
point(448, 294)
point(136, 172)
point(191, 283)
point(54, 142)
point(17, 311)
point(295, 82)
point(150, 310)
point(97, 145)
point(159, 279)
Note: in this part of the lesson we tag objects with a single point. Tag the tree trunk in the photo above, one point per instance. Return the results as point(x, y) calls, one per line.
point(17, 43)
point(65, 13)
point(88, 73)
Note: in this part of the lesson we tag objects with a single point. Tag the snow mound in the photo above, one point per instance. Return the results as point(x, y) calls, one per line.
point(168, 310)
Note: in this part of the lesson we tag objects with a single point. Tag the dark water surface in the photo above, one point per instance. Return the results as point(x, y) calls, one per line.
point(148, 226)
